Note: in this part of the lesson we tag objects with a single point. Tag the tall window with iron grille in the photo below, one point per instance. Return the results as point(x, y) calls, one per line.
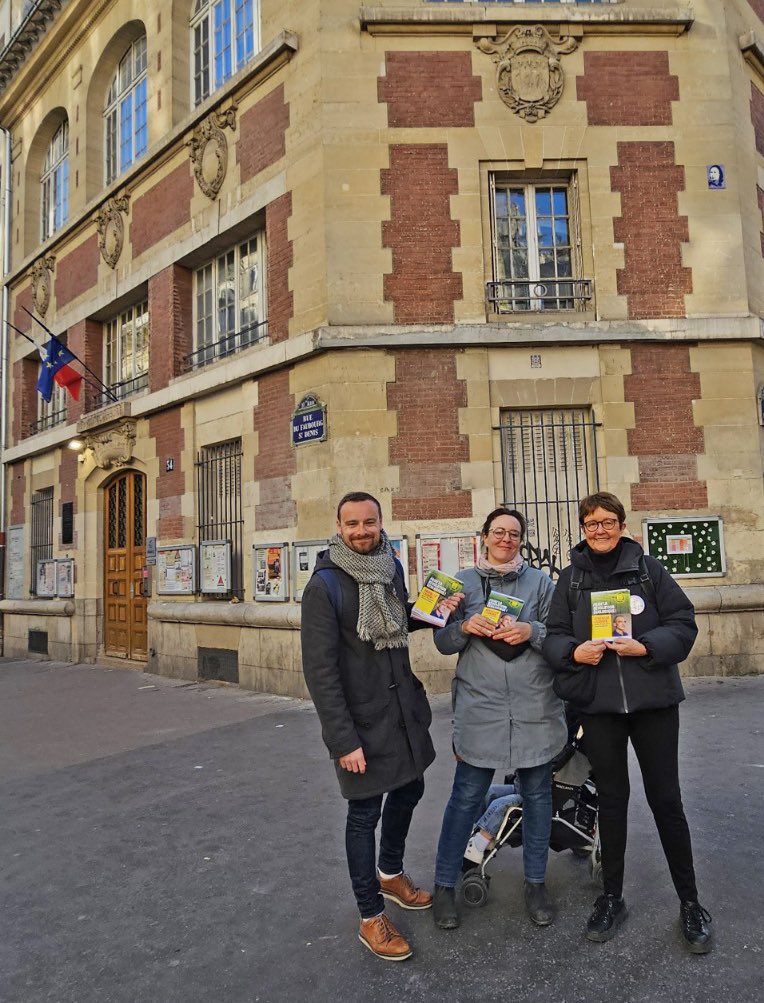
point(535, 246)
point(125, 113)
point(126, 351)
point(229, 302)
point(225, 35)
point(218, 499)
point(54, 183)
point(41, 528)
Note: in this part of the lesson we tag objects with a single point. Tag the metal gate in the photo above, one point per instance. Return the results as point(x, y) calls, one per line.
point(549, 463)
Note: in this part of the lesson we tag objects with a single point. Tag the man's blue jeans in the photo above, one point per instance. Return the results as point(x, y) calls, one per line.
point(465, 806)
point(360, 842)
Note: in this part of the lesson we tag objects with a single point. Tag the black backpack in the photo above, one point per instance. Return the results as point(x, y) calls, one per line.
point(577, 578)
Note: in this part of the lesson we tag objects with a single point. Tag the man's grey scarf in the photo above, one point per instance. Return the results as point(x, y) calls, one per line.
point(382, 617)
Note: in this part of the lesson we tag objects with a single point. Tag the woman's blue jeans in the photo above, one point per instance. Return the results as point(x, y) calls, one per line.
point(465, 806)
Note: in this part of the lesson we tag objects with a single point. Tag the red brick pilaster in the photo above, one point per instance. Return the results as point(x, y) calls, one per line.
point(18, 481)
point(167, 431)
point(627, 88)
point(67, 475)
point(760, 200)
point(77, 272)
point(25, 373)
point(422, 285)
point(280, 260)
point(654, 280)
point(428, 448)
point(85, 339)
point(757, 117)
point(275, 461)
point(170, 324)
point(665, 437)
point(424, 89)
point(262, 134)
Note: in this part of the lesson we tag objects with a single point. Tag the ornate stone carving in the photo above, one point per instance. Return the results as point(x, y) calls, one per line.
point(208, 149)
point(41, 283)
point(113, 447)
point(528, 71)
point(111, 229)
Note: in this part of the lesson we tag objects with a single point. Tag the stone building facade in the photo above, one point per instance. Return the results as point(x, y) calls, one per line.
point(515, 250)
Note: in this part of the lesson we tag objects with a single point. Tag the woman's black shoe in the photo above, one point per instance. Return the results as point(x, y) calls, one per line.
point(444, 908)
point(609, 912)
point(696, 927)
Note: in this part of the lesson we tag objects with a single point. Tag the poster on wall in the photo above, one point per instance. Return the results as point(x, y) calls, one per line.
point(46, 579)
point(400, 545)
point(215, 566)
point(271, 571)
point(304, 554)
point(447, 552)
point(65, 577)
point(176, 571)
point(14, 563)
point(687, 547)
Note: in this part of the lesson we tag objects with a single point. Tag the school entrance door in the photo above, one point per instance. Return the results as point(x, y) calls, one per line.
point(125, 634)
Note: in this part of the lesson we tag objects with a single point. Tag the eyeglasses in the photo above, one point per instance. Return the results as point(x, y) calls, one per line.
point(499, 534)
point(594, 524)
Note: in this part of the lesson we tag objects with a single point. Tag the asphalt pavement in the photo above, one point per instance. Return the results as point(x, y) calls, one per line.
point(167, 842)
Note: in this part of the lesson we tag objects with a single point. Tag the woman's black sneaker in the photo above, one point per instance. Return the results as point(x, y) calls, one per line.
point(609, 912)
point(696, 927)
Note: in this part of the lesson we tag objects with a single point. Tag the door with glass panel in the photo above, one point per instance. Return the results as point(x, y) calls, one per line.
point(125, 630)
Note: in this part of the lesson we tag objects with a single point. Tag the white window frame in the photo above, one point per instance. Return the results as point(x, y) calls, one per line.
point(225, 35)
point(54, 183)
point(53, 412)
point(126, 128)
point(230, 300)
point(126, 350)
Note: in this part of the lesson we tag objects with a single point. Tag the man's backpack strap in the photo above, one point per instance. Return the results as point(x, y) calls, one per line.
point(329, 577)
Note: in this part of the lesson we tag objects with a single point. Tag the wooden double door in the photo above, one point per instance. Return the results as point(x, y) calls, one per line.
point(125, 629)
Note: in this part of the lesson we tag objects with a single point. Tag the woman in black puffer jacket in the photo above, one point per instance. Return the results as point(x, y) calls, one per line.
point(627, 688)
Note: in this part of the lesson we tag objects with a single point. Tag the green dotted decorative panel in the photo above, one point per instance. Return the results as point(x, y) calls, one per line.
point(685, 546)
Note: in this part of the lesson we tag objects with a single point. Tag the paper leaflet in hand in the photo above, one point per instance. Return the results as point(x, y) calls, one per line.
point(437, 587)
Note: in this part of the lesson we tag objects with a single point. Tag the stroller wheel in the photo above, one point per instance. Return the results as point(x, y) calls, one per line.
point(580, 851)
point(475, 889)
point(595, 862)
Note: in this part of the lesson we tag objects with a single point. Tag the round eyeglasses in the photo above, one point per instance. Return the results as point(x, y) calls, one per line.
point(593, 524)
point(499, 534)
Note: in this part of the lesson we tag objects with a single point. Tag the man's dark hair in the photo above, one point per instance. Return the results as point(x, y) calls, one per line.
point(504, 511)
point(601, 499)
point(358, 496)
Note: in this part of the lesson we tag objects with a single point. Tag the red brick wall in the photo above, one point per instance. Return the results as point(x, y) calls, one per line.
point(170, 323)
point(424, 89)
point(422, 285)
point(651, 229)
point(21, 318)
point(428, 452)
point(18, 490)
point(166, 429)
point(665, 437)
point(77, 271)
point(85, 339)
point(262, 134)
point(67, 475)
point(757, 116)
point(162, 210)
point(24, 389)
point(627, 88)
point(280, 259)
point(758, 7)
point(275, 461)
point(760, 200)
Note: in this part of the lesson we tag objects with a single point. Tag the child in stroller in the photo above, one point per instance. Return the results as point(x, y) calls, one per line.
point(574, 819)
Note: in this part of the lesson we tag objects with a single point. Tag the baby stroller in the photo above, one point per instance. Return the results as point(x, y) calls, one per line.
point(574, 819)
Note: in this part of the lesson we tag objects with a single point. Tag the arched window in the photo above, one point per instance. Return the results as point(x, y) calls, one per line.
point(224, 36)
point(54, 183)
point(125, 113)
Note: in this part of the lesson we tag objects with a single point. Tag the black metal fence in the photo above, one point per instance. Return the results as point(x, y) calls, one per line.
point(516, 295)
point(549, 463)
point(218, 493)
point(41, 531)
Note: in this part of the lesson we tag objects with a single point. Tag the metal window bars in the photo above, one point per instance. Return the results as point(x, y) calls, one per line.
point(41, 531)
point(519, 295)
point(227, 345)
point(219, 507)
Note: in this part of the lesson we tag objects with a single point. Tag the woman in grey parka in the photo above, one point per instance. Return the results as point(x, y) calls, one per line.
point(506, 715)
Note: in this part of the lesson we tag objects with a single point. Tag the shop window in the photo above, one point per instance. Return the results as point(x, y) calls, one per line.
point(224, 37)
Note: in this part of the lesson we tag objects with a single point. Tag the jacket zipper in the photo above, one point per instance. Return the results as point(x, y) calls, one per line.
point(623, 688)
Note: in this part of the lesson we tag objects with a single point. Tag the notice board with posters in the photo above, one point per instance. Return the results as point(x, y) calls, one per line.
point(304, 554)
point(215, 567)
point(687, 546)
point(176, 570)
point(447, 552)
point(271, 571)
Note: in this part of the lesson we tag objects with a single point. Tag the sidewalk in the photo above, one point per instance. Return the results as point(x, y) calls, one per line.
point(166, 842)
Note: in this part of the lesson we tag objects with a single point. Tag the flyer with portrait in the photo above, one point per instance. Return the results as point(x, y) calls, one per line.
point(437, 587)
point(499, 606)
point(611, 615)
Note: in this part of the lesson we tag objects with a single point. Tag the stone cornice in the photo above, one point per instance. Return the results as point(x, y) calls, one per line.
point(753, 51)
point(460, 19)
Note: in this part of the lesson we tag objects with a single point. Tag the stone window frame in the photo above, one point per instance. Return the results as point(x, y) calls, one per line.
point(117, 351)
point(125, 114)
point(54, 183)
point(212, 64)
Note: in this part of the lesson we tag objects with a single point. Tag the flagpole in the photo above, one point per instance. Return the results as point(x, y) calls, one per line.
point(96, 386)
point(108, 389)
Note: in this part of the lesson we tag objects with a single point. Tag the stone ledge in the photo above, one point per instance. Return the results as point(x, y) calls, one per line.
point(726, 598)
point(37, 607)
point(284, 616)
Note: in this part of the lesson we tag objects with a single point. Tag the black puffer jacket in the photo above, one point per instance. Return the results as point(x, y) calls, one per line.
point(364, 698)
point(666, 627)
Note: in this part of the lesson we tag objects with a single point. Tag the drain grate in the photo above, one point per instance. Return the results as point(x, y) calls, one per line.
point(37, 642)
point(218, 663)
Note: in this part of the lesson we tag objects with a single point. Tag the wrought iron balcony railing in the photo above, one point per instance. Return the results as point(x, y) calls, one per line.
point(227, 345)
point(47, 421)
point(125, 388)
point(528, 295)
